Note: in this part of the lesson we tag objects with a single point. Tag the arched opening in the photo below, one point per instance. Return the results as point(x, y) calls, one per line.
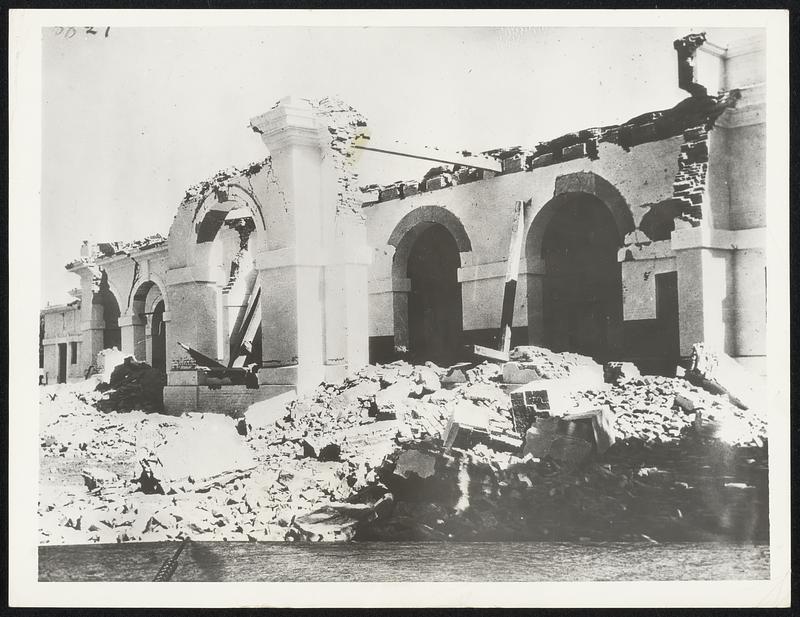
point(106, 309)
point(158, 332)
point(143, 304)
point(229, 233)
point(581, 291)
point(434, 302)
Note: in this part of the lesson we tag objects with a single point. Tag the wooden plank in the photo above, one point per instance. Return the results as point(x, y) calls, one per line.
point(427, 153)
point(248, 328)
point(488, 353)
point(512, 270)
point(509, 290)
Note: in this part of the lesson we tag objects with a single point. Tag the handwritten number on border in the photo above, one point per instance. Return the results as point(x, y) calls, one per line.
point(72, 31)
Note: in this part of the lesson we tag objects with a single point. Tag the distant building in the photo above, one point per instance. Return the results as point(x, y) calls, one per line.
point(641, 239)
point(61, 340)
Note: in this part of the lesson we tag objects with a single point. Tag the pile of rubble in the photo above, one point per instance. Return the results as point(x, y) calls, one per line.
point(132, 385)
point(555, 440)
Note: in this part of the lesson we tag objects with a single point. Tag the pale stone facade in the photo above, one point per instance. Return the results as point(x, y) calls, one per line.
point(640, 240)
point(61, 339)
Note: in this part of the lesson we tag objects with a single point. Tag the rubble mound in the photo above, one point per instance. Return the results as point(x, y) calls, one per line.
point(528, 363)
point(402, 451)
point(132, 385)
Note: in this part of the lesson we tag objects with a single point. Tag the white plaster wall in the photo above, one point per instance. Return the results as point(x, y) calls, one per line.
point(643, 176)
point(746, 153)
point(639, 286)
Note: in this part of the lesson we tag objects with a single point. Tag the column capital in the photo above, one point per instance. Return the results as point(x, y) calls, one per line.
point(292, 122)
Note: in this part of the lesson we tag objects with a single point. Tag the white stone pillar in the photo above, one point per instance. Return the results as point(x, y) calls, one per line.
point(314, 270)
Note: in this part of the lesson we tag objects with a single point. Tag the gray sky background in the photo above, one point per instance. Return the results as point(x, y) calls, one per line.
point(130, 121)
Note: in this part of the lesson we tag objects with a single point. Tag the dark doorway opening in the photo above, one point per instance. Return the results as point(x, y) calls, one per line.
point(582, 288)
point(668, 342)
point(434, 303)
point(62, 363)
point(110, 315)
point(159, 338)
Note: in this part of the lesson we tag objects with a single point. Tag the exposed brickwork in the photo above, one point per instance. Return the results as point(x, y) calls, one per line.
point(690, 181)
point(345, 125)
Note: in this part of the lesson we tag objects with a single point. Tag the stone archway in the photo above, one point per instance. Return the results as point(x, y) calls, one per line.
point(106, 311)
point(430, 246)
point(574, 280)
point(148, 299)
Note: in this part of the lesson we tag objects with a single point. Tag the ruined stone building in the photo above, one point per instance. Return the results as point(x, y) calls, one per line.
point(640, 240)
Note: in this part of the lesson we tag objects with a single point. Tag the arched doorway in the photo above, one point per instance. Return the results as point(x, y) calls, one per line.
point(159, 338)
point(434, 302)
point(105, 308)
point(582, 287)
point(143, 307)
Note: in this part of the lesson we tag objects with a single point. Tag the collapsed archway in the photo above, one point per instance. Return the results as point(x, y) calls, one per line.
point(228, 235)
point(435, 330)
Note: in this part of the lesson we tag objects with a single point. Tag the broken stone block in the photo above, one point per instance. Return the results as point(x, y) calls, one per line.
point(718, 373)
point(390, 403)
point(359, 391)
point(198, 448)
point(543, 396)
point(485, 392)
point(468, 425)
point(456, 374)
point(427, 377)
point(483, 372)
point(690, 401)
point(415, 462)
point(264, 413)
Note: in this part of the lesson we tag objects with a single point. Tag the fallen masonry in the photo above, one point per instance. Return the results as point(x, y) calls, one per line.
point(411, 452)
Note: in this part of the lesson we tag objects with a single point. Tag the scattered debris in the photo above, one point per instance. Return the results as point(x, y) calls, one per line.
point(397, 448)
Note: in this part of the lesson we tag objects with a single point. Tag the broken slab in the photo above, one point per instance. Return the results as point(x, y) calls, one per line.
point(415, 462)
point(528, 363)
point(264, 413)
point(194, 450)
point(718, 373)
point(541, 397)
point(468, 425)
point(457, 373)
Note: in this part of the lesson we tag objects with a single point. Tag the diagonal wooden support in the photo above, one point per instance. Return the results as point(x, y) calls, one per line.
point(509, 291)
point(426, 153)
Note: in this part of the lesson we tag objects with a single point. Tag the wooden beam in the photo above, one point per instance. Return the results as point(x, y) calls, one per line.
point(509, 290)
point(487, 353)
point(512, 268)
point(426, 153)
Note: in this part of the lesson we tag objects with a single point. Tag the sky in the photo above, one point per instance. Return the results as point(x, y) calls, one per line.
point(133, 119)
